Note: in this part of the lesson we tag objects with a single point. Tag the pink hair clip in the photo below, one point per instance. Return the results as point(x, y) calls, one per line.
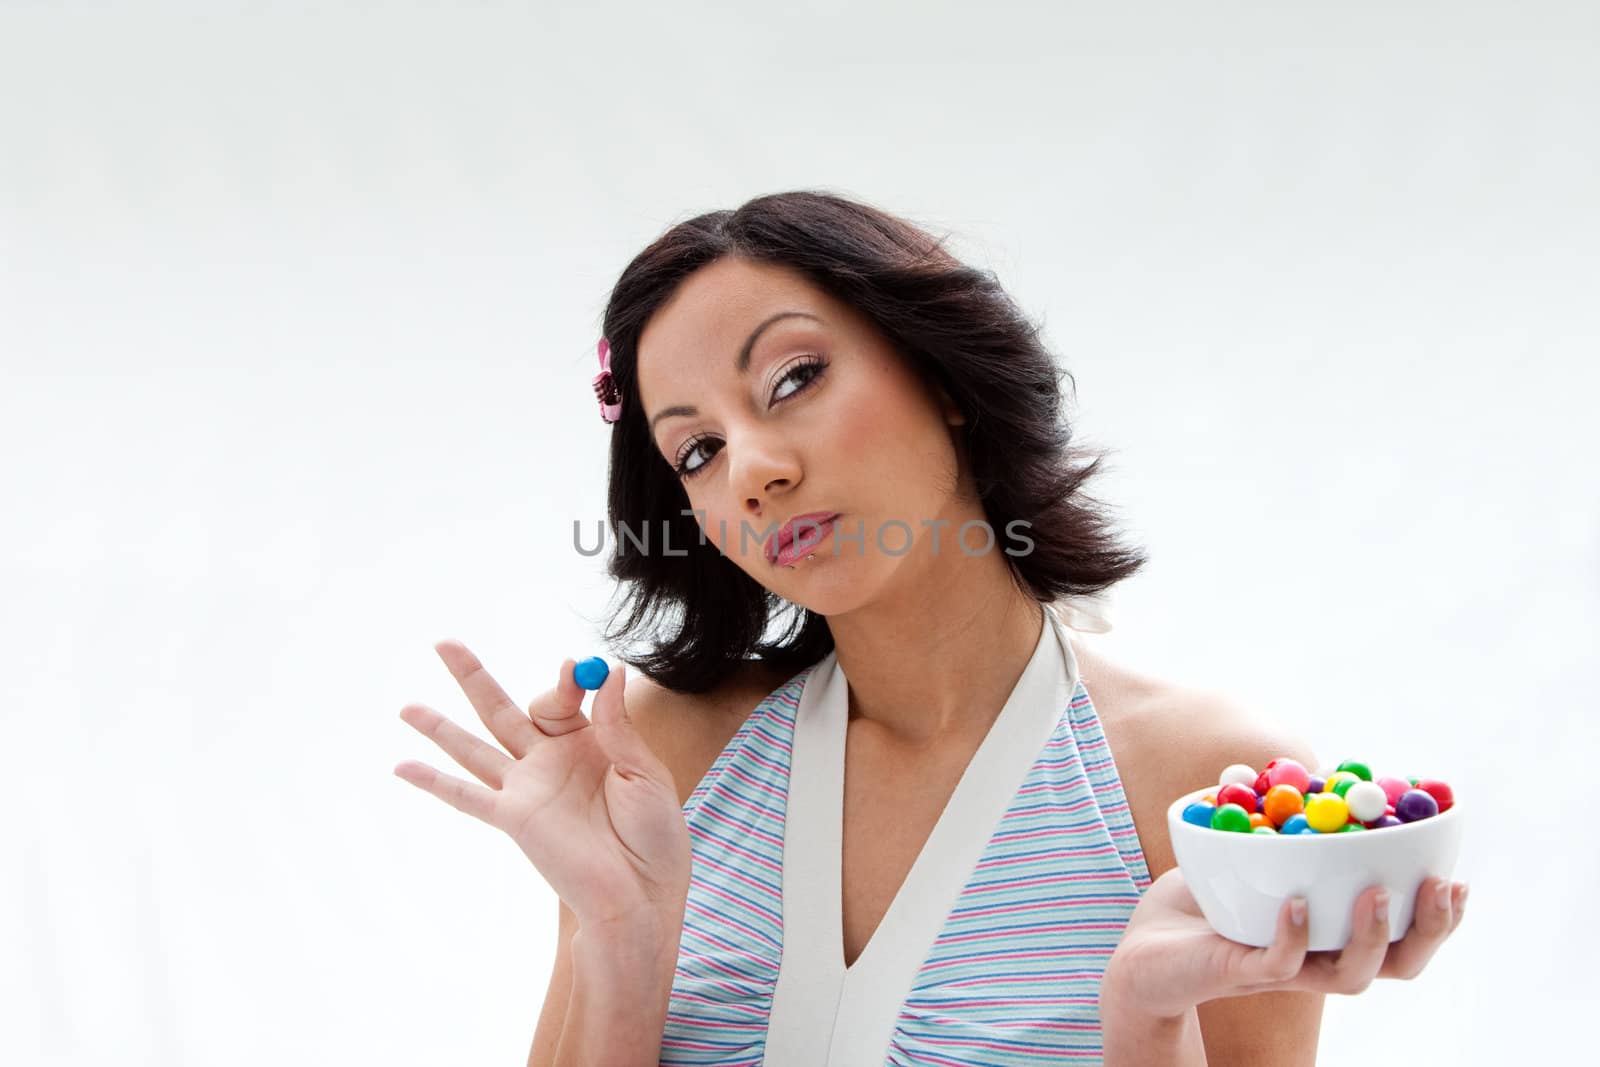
point(605, 388)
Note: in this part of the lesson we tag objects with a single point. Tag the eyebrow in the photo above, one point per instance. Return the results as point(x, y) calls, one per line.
point(742, 364)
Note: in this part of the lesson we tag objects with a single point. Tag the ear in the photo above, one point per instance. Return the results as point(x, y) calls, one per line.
point(950, 409)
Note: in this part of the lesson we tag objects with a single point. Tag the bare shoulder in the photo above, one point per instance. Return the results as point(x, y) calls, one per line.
point(687, 731)
point(1168, 738)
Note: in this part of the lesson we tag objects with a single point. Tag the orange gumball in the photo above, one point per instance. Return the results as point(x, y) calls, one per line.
point(1257, 819)
point(1281, 803)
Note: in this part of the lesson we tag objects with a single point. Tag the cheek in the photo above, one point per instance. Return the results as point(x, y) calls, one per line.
point(719, 521)
point(874, 422)
point(891, 427)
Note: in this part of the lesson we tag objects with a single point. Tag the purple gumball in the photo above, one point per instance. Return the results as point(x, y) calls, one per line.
point(1414, 805)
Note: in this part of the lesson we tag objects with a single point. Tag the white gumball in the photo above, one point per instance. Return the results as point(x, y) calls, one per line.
point(1238, 774)
point(1367, 801)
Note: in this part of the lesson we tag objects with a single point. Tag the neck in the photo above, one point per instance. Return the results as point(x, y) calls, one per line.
point(937, 661)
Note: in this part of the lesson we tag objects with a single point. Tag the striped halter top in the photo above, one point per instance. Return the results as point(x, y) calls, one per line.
point(993, 948)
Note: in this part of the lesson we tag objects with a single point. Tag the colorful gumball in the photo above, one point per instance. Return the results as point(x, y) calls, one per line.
point(1441, 792)
point(1289, 772)
point(1282, 801)
point(1233, 818)
point(1326, 812)
point(1416, 805)
point(1366, 801)
point(1357, 768)
point(1394, 788)
point(1237, 774)
point(591, 673)
point(1332, 784)
point(1241, 795)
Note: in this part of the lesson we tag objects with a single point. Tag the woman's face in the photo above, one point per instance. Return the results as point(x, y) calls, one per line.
point(770, 400)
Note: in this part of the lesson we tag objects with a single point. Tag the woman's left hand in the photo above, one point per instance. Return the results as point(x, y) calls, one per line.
point(1170, 959)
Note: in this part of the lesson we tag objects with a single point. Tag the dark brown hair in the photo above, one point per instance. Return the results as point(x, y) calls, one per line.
point(956, 326)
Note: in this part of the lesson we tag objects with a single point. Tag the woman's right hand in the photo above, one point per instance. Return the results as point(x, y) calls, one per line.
point(588, 803)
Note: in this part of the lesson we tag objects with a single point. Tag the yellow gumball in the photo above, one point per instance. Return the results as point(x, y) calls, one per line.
point(1326, 812)
point(1339, 776)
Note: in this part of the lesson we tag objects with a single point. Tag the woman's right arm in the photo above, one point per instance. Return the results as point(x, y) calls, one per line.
point(621, 983)
point(598, 987)
point(600, 817)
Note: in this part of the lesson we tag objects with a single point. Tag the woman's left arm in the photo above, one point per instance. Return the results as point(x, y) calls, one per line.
point(1175, 985)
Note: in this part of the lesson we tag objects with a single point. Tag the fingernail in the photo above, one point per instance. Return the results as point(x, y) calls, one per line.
point(1381, 910)
point(1465, 888)
point(1443, 896)
point(1297, 911)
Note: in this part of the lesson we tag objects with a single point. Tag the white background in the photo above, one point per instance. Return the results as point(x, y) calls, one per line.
point(297, 314)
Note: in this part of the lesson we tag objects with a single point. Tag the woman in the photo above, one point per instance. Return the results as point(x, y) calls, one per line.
point(901, 831)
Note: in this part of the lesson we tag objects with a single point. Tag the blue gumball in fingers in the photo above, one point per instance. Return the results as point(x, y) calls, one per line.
point(591, 673)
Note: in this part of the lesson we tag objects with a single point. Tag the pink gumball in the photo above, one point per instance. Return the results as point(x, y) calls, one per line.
point(1394, 788)
point(1289, 772)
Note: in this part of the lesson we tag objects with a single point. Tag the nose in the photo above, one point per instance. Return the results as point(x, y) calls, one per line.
point(763, 467)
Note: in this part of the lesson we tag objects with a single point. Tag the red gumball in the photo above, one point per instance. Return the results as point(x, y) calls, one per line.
point(1241, 795)
point(1263, 783)
point(1289, 772)
point(1439, 791)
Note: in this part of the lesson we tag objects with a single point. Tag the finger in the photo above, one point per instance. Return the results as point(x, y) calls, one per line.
point(1460, 902)
point(503, 718)
point(1358, 962)
point(1351, 969)
point(463, 796)
point(477, 756)
point(621, 742)
point(560, 711)
point(1283, 959)
point(1434, 919)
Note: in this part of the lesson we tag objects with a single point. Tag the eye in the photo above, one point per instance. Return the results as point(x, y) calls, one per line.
point(805, 371)
point(681, 464)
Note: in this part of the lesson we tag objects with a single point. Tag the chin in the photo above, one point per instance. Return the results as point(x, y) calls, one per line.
point(827, 584)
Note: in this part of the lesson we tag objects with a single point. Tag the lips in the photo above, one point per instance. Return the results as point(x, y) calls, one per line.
point(808, 525)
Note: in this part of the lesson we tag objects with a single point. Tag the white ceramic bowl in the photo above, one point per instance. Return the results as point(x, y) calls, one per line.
point(1241, 880)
